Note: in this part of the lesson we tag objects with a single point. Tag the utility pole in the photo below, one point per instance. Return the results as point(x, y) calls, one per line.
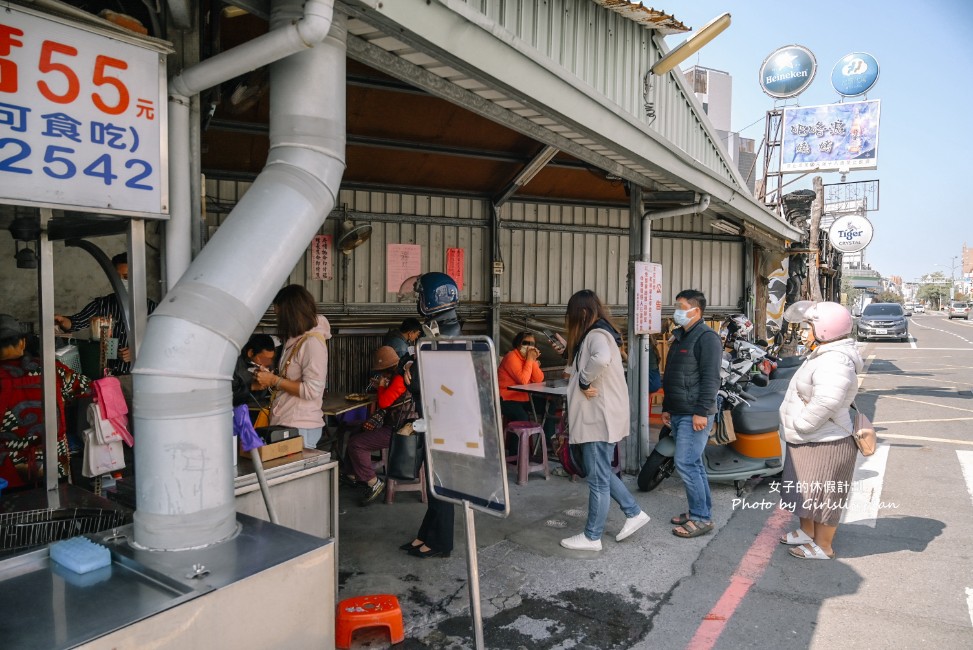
point(817, 207)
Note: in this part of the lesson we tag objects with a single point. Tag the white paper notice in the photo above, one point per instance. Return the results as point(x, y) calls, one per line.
point(453, 415)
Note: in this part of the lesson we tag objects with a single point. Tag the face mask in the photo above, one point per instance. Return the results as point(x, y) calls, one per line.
point(681, 316)
point(124, 282)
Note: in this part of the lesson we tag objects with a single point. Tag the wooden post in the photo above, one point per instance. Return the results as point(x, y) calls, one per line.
point(817, 208)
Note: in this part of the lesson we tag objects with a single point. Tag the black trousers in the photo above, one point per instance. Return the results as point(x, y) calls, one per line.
point(436, 530)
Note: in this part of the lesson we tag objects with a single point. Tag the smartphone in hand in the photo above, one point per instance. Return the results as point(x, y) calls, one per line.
point(557, 342)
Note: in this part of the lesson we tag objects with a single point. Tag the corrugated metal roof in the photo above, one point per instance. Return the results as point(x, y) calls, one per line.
point(645, 16)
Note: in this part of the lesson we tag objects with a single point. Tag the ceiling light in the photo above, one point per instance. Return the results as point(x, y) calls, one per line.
point(691, 45)
point(726, 226)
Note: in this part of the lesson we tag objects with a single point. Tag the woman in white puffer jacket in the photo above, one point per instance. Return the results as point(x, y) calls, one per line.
point(816, 424)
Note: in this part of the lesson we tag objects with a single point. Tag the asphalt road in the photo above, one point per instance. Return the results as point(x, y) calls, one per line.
point(903, 577)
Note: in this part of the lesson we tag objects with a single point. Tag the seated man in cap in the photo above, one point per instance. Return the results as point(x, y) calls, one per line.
point(21, 405)
point(394, 403)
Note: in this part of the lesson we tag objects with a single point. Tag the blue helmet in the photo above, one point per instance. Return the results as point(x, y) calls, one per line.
point(436, 293)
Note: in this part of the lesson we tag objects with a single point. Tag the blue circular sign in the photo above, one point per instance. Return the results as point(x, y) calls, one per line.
point(788, 71)
point(854, 74)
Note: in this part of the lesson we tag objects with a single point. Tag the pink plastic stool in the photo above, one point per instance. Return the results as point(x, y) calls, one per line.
point(378, 610)
point(524, 431)
point(393, 485)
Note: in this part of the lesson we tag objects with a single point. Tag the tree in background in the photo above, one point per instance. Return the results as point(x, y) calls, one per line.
point(889, 296)
point(934, 289)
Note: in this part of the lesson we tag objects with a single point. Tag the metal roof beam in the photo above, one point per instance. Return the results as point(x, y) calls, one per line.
point(383, 61)
point(468, 41)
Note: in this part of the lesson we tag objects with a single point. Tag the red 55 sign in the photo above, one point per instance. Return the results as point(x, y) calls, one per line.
point(82, 117)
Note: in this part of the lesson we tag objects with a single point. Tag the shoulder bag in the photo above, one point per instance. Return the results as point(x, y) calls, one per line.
point(263, 415)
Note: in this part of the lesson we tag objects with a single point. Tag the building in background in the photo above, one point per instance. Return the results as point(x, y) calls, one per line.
point(714, 90)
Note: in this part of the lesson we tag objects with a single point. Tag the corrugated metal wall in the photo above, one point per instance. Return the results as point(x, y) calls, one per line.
point(612, 55)
point(549, 251)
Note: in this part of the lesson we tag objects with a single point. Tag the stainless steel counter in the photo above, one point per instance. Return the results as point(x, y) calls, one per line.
point(43, 605)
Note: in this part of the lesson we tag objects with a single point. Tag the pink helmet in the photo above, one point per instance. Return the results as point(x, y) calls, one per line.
point(829, 320)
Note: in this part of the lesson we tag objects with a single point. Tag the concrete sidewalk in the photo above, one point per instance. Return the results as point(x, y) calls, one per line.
point(534, 593)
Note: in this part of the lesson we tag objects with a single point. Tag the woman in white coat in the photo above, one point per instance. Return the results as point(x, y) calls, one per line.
point(598, 415)
point(816, 424)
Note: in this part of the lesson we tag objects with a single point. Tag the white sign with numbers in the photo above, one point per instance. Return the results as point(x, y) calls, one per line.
point(648, 298)
point(82, 117)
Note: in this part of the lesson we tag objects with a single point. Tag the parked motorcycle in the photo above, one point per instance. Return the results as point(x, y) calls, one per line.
point(758, 449)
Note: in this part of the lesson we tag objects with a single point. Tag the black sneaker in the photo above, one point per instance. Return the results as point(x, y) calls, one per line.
point(373, 492)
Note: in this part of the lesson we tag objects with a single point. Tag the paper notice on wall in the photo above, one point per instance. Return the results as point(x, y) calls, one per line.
point(321, 253)
point(455, 260)
point(402, 262)
point(648, 298)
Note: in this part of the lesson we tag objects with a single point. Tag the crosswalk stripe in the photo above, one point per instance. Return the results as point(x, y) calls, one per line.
point(866, 494)
point(950, 441)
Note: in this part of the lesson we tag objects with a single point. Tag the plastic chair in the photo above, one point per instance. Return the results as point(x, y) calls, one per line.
point(524, 431)
point(393, 485)
point(377, 610)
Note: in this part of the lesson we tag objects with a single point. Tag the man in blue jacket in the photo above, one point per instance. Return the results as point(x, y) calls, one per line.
point(691, 382)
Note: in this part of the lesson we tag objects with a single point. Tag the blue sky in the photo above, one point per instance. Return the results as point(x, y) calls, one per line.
point(924, 167)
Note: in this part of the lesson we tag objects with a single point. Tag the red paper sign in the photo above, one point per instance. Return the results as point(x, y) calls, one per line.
point(455, 265)
point(321, 268)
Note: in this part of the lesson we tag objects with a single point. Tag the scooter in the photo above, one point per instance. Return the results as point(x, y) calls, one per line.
point(758, 450)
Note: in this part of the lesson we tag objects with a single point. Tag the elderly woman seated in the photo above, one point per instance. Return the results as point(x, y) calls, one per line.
point(394, 405)
point(21, 405)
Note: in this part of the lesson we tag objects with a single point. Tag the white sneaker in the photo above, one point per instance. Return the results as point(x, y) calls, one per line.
point(632, 524)
point(581, 543)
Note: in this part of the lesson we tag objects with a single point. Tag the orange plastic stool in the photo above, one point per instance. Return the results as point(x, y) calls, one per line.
point(377, 610)
point(655, 409)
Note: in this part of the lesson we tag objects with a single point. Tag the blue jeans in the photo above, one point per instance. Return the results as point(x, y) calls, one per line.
point(690, 446)
point(602, 484)
point(311, 436)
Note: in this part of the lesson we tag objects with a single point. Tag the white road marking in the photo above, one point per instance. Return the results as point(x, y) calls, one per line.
point(900, 436)
point(969, 602)
point(927, 349)
point(866, 495)
point(919, 401)
point(966, 465)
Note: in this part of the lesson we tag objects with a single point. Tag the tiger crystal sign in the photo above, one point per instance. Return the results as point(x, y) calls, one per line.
point(82, 117)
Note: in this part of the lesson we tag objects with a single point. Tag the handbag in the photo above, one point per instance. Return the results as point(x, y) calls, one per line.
point(406, 455)
point(864, 433)
point(101, 459)
point(104, 431)
point(723, 432)
point(263, 418)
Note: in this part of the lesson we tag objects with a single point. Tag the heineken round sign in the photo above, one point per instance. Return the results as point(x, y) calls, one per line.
point(851, 234)
point(788, 71)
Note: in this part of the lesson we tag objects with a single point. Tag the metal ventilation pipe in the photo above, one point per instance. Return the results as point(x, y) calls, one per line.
point(182, 404)
point(647, 219)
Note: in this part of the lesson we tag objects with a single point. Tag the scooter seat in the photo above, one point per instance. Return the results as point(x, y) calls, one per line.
point(760, 416)
point(784, 373)
point(773, 386)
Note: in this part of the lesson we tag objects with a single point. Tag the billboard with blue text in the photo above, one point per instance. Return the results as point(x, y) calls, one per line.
point(832, 137)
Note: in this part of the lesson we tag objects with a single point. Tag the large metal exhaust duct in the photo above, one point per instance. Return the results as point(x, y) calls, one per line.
point(182, 407)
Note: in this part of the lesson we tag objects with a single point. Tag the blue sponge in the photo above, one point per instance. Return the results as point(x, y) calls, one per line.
point(80, 554)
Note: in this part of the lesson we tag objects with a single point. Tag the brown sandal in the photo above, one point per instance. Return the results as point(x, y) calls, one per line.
point(693, 529)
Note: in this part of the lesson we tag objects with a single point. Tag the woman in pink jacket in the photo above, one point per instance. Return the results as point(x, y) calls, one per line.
point(298, 385)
